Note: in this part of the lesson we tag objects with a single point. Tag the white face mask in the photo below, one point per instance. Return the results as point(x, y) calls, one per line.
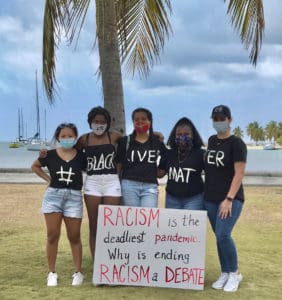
point(98, 129)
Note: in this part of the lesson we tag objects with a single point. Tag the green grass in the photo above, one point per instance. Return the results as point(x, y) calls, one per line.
point(23, 264)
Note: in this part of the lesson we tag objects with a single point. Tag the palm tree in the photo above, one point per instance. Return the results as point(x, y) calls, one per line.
point(131, 31)
point(271, 131)
point(255, 132)
point(279, 125)
point(237, 131)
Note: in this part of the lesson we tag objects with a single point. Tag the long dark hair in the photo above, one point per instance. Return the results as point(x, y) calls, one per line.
point(197, 140)
point(99, 111)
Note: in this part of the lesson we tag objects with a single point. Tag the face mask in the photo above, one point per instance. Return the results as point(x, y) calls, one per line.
point(184, 141)
point(98, 129)
point(67, 143)
point(141, 127)
point(221, 126)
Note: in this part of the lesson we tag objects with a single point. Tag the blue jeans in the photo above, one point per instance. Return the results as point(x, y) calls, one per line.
point(136, 193)
point(195, 202)
point(222, 228)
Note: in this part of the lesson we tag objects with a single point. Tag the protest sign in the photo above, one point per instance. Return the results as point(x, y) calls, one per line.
point(150, 247)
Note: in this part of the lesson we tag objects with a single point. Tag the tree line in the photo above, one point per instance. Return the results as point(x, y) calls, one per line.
point(272, 132)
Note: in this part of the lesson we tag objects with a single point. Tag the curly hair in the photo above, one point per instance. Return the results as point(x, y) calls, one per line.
point(99, 111)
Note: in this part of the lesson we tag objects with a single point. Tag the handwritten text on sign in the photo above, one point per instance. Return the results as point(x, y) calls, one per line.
point(150, 247)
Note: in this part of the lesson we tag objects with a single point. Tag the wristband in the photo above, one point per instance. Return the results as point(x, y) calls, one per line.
point(229, 199)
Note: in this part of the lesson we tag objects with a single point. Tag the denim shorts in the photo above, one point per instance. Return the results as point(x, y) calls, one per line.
point(102, 185)
point(65, 201)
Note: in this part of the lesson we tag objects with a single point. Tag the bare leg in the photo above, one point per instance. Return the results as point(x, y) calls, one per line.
point(73, 231)
point(53, 223)
point(92, 203)
point(108, 200)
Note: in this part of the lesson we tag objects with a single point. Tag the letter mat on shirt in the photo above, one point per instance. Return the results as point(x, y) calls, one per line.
point(150, 247)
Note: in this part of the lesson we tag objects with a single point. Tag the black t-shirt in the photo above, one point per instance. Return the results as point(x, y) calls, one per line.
point(140, 160)
point(100, 159)
point(219, 167)
point(184, 176)
point(64, 174)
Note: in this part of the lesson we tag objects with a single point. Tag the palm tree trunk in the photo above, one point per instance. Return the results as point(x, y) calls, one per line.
point(110, 65)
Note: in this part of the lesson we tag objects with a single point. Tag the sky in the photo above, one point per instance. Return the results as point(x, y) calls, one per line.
point(203, 64)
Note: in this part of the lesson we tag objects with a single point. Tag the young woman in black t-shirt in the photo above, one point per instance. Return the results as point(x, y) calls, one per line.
point(102, 184)
point(225, 162)
point(63, 198)
point(137, 159)
point(183, 164)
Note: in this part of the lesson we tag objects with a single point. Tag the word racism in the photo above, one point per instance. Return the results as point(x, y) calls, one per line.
point(132, 216)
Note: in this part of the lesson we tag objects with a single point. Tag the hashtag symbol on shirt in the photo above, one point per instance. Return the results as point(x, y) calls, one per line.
point(65, 175)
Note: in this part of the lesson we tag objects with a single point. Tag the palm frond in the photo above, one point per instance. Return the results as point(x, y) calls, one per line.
point(52, 27)
point(75, 13)
point(247, 16)
point(143, 26)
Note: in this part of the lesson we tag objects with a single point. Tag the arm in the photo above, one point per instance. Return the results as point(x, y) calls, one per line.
point(119, 169)
point(159, 135)
point(37, 169)
point(81, 142)
point(43, 153)
point(115, 137)
point(120, 154)
point(226, 205)
point(161, 173)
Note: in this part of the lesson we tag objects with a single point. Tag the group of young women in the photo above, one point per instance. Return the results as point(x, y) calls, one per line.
point(124, 170)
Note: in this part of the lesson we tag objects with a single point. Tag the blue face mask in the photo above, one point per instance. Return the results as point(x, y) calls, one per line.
point(67, 143)
point(221, 126)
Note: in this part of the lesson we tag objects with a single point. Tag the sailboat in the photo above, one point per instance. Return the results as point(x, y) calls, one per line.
point(36, 143)
point(20, 140)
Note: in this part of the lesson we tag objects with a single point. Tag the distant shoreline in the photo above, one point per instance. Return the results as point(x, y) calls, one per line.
point(26, 176)
point(260, 147)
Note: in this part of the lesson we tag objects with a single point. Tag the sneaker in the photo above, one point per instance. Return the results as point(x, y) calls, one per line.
point(233, 282)
point(77, 278)
point(221, 281)
point(52, 279)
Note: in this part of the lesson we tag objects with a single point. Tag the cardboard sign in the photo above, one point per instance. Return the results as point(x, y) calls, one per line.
point(150, 247)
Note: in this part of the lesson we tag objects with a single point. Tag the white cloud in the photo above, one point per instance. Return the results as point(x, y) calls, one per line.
point(5, 89)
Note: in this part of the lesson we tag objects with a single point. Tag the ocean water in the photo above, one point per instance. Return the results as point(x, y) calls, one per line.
point(259, 161)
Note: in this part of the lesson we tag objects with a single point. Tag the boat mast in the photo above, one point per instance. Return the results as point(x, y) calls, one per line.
point(37, 109)
point(19, 124)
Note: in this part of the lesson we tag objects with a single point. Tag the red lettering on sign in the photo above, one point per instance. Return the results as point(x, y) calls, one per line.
point(189, 275)
point(124, 274)
point(131, 216)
